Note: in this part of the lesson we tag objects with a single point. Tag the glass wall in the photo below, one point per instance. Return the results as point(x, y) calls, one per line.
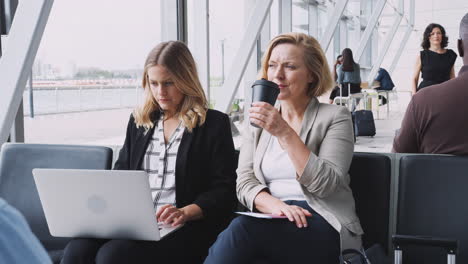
point(300, 17)
point(226, 24)
point(87, 72)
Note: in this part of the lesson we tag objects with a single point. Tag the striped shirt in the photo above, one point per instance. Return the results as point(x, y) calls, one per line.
point(159, 162)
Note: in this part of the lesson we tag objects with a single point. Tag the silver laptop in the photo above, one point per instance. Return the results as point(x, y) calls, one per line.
point(107, 204)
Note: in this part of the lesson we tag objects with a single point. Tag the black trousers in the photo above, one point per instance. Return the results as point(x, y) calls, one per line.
point(187, 245)
point(248, 240)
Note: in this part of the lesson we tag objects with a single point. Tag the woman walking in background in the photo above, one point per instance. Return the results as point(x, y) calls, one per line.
point(434, 62)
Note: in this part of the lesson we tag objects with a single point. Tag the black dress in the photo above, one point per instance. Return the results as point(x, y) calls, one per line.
point(436, 67)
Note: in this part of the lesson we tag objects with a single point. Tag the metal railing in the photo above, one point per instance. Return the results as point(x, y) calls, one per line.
point(66, 99)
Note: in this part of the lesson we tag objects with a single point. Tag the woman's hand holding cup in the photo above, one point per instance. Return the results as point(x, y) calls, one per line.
point(264, 91)
point(264, 115)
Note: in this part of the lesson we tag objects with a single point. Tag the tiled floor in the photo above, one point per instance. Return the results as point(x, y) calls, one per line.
point(386, 126)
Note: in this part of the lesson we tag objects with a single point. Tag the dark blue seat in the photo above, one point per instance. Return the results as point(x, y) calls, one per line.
point(18, 188)
point(432, 202)
point(370, 175)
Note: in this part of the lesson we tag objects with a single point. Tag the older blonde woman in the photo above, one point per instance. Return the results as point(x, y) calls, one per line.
point(189, 155)
point(296, 165)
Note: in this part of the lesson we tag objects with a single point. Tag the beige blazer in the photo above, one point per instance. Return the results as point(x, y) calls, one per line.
point(327, 132)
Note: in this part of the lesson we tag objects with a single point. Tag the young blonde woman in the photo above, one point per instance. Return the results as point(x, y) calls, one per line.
point(189, 155)
point(296, 165)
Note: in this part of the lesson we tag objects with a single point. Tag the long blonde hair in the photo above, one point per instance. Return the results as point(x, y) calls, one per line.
point(314, 60)
point(178, 61)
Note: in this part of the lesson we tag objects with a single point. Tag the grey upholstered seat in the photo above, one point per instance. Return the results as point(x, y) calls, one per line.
point(432, 202)
point(17, 184)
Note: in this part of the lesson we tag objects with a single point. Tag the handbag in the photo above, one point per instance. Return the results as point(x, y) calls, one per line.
point(373, 255)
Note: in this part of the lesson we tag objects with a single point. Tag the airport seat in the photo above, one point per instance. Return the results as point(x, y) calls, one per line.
point(370, 175)
point(432, 202)
point(18, 188)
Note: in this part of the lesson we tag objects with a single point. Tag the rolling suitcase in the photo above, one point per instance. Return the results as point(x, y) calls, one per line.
point(364, 123)
point(400, 241)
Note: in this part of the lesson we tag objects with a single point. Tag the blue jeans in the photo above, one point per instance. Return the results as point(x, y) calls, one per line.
point(17, 243)
point(249, 239)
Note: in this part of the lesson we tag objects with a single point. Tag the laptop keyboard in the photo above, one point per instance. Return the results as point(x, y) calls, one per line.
point(162, 225)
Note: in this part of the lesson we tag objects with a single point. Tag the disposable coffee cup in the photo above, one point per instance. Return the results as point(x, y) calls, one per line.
point(264, 91)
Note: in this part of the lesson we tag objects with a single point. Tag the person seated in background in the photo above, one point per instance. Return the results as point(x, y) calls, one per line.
point(295, 165)
point(339, 61)
point(187, 151)
point(348, 73)
point(17, 243)
point(435, 120)
point(385, 83)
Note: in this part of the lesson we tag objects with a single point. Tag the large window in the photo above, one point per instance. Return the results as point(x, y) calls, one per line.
point(226, 23)
point(300, 16)
point(87, 72)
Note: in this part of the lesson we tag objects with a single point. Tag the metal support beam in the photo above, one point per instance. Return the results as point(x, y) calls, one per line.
point(31, 96)
point(201, 42)
point(400, 49)
point(412, 12)
point(182, 20)
point(264, 40)
point(387, 42)
point(403, 43)
point(17, 129)
point(331, 27)
point(369, 29)
point(251, 70)
point(2, 24)
point(343, 33)
point(169, 21)
point(249, 41)
point(313, 20)
point(16, 63)
point(285, 16)
point(8, 13)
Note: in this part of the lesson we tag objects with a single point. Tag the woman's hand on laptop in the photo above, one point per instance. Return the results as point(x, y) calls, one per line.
point(169, 214)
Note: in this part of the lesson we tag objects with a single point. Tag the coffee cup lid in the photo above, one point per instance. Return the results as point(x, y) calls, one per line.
point(266, 83)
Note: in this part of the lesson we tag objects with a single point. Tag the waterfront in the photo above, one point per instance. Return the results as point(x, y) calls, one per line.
point(62, 100)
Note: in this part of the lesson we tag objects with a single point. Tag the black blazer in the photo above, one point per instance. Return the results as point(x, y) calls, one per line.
point(205, 164)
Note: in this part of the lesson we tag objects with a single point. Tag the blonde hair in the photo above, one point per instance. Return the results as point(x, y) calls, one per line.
point(178, 61)
point(314, 60)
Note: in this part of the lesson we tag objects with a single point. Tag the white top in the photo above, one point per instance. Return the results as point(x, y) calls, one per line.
point(280, 174)
point(160, 161)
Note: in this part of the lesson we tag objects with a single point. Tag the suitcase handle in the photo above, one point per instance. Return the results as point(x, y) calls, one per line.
point(403, 240)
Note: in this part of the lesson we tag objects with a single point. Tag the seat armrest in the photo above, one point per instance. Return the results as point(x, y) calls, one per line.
point(404, 240)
